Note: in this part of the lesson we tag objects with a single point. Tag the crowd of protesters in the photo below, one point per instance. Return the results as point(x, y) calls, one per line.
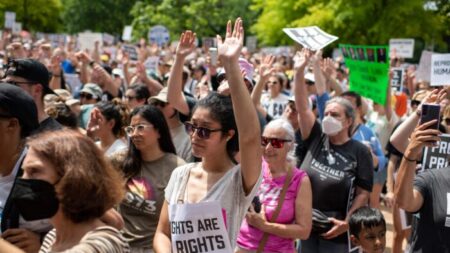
point(276, 148)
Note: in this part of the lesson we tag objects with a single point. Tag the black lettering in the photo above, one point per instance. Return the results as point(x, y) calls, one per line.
point(208, 224)
point(200, 226)
point(211, 243)
point(220, 242)
point(215, 224)
point(201, 243)
point(179, 246)
point(189, 227)
point(192, 246)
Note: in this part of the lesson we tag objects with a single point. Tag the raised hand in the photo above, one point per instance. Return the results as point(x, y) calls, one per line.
point(265, 69)
point(186, 44)
point(230, 48)
point(316, 57)
point(328, 67)
point(302, 58)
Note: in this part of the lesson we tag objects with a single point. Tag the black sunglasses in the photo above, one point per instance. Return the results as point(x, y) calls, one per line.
point(309, 83)
point(275, 142)
point(415, 102)
point(16, 83)
point(202, 132)
point(86, 95)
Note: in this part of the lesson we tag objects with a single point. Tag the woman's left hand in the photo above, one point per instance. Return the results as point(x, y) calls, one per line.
point(254, 219)
point(338, 228)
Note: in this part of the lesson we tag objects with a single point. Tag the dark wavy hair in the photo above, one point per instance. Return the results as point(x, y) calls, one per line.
point(141, 91)
point(133, 161)
point(221, 110)
point(117, 111)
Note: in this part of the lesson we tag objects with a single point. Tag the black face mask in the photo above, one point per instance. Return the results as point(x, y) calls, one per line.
point(35, 199)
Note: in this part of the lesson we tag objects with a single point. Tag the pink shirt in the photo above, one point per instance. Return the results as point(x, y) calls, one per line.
point(268, 193)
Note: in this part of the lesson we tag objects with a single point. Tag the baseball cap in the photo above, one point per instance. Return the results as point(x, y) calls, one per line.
point(93, 89)
point(31, 70)
point(16, 103)
point(162, 96)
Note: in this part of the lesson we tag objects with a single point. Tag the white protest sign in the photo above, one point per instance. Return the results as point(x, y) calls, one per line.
point(10, 19)
point(283, 50)
point(311, 37)
point(440, 69)
point(152, 63)
point(159, 34)
point(397, 79)
point(73, 80)
point(198, 228)
point(437, 157)
point(209, 42)
point(17, 28)
point(87, 40)
point(404, 48)
point(424, 70)
point(126, 35)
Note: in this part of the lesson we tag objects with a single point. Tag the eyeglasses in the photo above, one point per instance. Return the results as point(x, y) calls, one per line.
point(140, 128)
point(202, 132)
point(86, 95)
point(130, 97)
point(275, 82)
point(159, 103)
point(275, 142)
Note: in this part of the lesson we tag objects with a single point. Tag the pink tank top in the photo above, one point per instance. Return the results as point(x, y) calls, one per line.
point(269, 192)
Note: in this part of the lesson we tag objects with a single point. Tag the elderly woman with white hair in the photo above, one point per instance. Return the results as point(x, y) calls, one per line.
point(281, 210)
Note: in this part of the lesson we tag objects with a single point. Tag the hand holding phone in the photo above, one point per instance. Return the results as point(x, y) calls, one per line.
point(256, 204)
point(430, 112)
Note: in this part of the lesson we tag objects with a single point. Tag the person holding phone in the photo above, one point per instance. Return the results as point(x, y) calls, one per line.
point(426, 194)
point(295, 218)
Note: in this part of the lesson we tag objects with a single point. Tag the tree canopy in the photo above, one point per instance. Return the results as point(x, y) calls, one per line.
point(353, 21)
point(205, 17)
point(35, 15)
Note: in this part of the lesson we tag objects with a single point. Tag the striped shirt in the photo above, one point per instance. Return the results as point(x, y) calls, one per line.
point(103, 239)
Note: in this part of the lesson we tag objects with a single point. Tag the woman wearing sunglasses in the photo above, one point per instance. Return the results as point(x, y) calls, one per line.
point(340, 169)
point(147, 167)
point(294, 219)
point(216, 190)
point(274, 100)
point(106, 124)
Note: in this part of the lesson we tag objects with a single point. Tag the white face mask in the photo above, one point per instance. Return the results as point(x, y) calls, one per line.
point(331, 126)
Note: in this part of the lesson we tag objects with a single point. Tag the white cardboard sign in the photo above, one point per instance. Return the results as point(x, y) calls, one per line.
point(126, 35)
point(440, 69)
point(87, 40)
point(424, 70)
point(10, 19)
point(311, 37)
point(404, 48)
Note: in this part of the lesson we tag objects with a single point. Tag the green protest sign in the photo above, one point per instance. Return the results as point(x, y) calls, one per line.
point(369, 70)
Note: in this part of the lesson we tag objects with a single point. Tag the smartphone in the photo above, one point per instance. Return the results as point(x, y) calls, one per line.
point(430, 112)
point(256, 204)
point(213, 55)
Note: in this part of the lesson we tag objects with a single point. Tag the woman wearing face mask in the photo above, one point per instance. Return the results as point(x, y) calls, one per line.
point(67, 180)
point(340, 169)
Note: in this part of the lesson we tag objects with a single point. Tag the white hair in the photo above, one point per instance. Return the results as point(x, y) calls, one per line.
point(285, 125)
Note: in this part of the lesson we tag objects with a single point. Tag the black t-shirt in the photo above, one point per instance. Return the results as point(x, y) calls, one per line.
point(335, 172)
point(432, 231)
point(191, 102)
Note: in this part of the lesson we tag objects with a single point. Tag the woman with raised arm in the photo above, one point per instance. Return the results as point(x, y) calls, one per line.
point(340, 169)
point(206, 201)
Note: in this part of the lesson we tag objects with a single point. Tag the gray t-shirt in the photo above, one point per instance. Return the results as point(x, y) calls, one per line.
point(228, 191)
point(182, 143)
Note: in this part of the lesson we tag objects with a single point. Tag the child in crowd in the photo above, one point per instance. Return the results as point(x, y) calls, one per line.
point(368, 230)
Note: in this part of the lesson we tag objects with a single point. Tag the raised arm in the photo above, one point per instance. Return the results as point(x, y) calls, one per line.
point(244, 110)
point(318, 76)
point(265, 70)
point(175, 83)
point(306, 117)
point(403, 131)
point(406, 196)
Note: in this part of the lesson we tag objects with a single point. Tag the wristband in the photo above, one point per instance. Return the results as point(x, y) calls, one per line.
point(409, 159)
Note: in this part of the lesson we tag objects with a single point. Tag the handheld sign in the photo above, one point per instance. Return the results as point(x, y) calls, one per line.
point(87, 40)
point(311, 37)
point(132, 52)
point(369, 66)
point(397, 79)
point(126, 35)
point(404, 48)
point(10, 19)
point(424, 70)
point(159, 34)
point(437, 157)
point(440, 69)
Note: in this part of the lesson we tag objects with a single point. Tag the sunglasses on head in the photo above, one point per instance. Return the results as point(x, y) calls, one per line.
point(86, 95)
point(201, 132)
point(415, 102)
point(275, 142)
